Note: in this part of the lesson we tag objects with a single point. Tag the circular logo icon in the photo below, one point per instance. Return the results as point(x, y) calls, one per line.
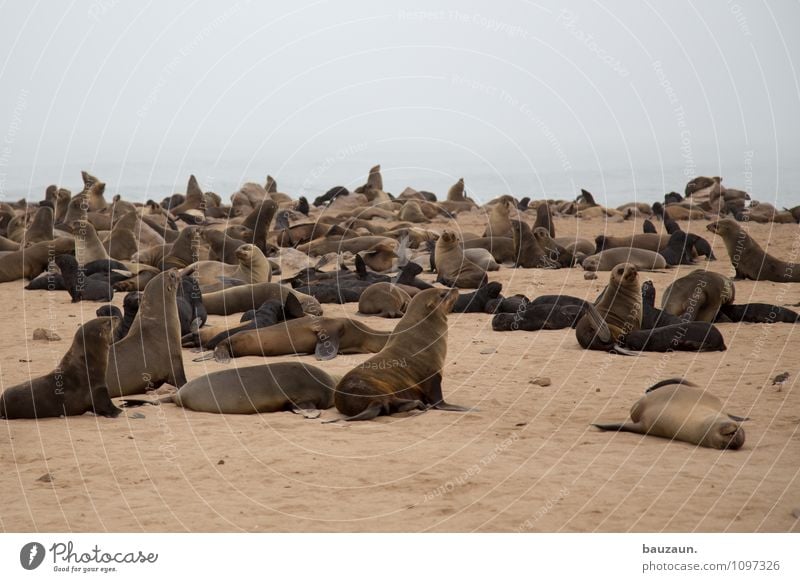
point(31, 555)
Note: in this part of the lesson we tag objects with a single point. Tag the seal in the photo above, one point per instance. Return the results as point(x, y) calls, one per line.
point(528, 253)
point(383, 300)
point(606, 260)
point(675, 409)
point(651, 242)
point(247, 297)
point(122, 243)
point(150, 354)
point(88, 247)
point(453, 268)
point(476, 301)
point(41, 228)
point(254, 389)
point(617, 312)
point(76, 386)
point(748, 258)
point(252, 267)
point(31, 262)
point(698, 296)
point(758, 313)
point(686, 336)
point(407, 373)
point(325, 337)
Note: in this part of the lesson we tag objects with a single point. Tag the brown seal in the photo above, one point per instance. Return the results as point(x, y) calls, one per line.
point(122, 243)
point(749, 259)
point(324, 337)
point(407, 373)
point(500, 218)
point(383, 300)
point(77, 385)
point(528, 253)
point(246, 297)
point(606, 260)
point(675, 409)
point(453, 267)
point(617, 312)
point(150, 354)
point(31, 262)
point(253, 267)
point(648, 241)
point(291, 386)
point(41, 227)
point(88, 247)
point(698, 296)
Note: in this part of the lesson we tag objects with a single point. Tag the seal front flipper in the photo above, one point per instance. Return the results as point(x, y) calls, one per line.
point(102, 404)
point(327, 345)
point(623, 351)
point(603, 332)
point(307, 409)
point(738, 418)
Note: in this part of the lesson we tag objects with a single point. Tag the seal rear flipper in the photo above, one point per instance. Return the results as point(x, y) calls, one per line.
point(669, 382)
point(738, 418)
point(623, 351)
point(619, 427)
point(453, 407)
point(137, 402)
point(372, 411)
point(211, 355)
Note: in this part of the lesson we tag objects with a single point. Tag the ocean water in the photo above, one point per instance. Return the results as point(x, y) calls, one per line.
point(611, 186)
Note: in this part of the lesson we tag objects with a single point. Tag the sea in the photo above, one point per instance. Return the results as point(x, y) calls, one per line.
point(611, 186)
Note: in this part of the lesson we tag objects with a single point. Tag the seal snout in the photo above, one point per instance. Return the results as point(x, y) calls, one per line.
point(733, 436)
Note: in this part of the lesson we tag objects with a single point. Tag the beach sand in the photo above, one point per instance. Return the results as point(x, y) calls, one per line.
point(528, 460)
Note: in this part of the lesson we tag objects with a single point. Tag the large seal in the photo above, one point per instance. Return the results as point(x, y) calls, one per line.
point(76, 386)
point(253, 389)
point(616, 313)
point(325, 337)
point(698, 296)
point(150, 354)
point(749, 259)
point(606, 260)
point(407, 373)
point(676, 409)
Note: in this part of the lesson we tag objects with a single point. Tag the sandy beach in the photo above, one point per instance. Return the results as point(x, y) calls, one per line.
point(528, 460)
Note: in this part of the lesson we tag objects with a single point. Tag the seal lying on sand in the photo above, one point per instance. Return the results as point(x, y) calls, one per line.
point(676, 409)
point(266, 388)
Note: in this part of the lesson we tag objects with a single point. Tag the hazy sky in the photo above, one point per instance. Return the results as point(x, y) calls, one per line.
point(518, 96)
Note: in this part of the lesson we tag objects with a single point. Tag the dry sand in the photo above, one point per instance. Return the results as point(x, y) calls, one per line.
point(527, 461)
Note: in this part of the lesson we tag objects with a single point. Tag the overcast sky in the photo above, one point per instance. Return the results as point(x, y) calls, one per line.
point(316, 92)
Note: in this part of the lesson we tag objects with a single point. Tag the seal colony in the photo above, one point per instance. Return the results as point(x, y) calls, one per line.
point(189, 260)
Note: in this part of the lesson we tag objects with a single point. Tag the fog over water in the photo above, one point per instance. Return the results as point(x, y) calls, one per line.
point(627, 100)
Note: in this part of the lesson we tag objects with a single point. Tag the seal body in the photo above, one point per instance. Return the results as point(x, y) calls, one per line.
point(698, 296)
point(617, 312)
point(682, 412)
point(407, 373)
point(76, 386)
point(748, 258)
point(264, 388)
